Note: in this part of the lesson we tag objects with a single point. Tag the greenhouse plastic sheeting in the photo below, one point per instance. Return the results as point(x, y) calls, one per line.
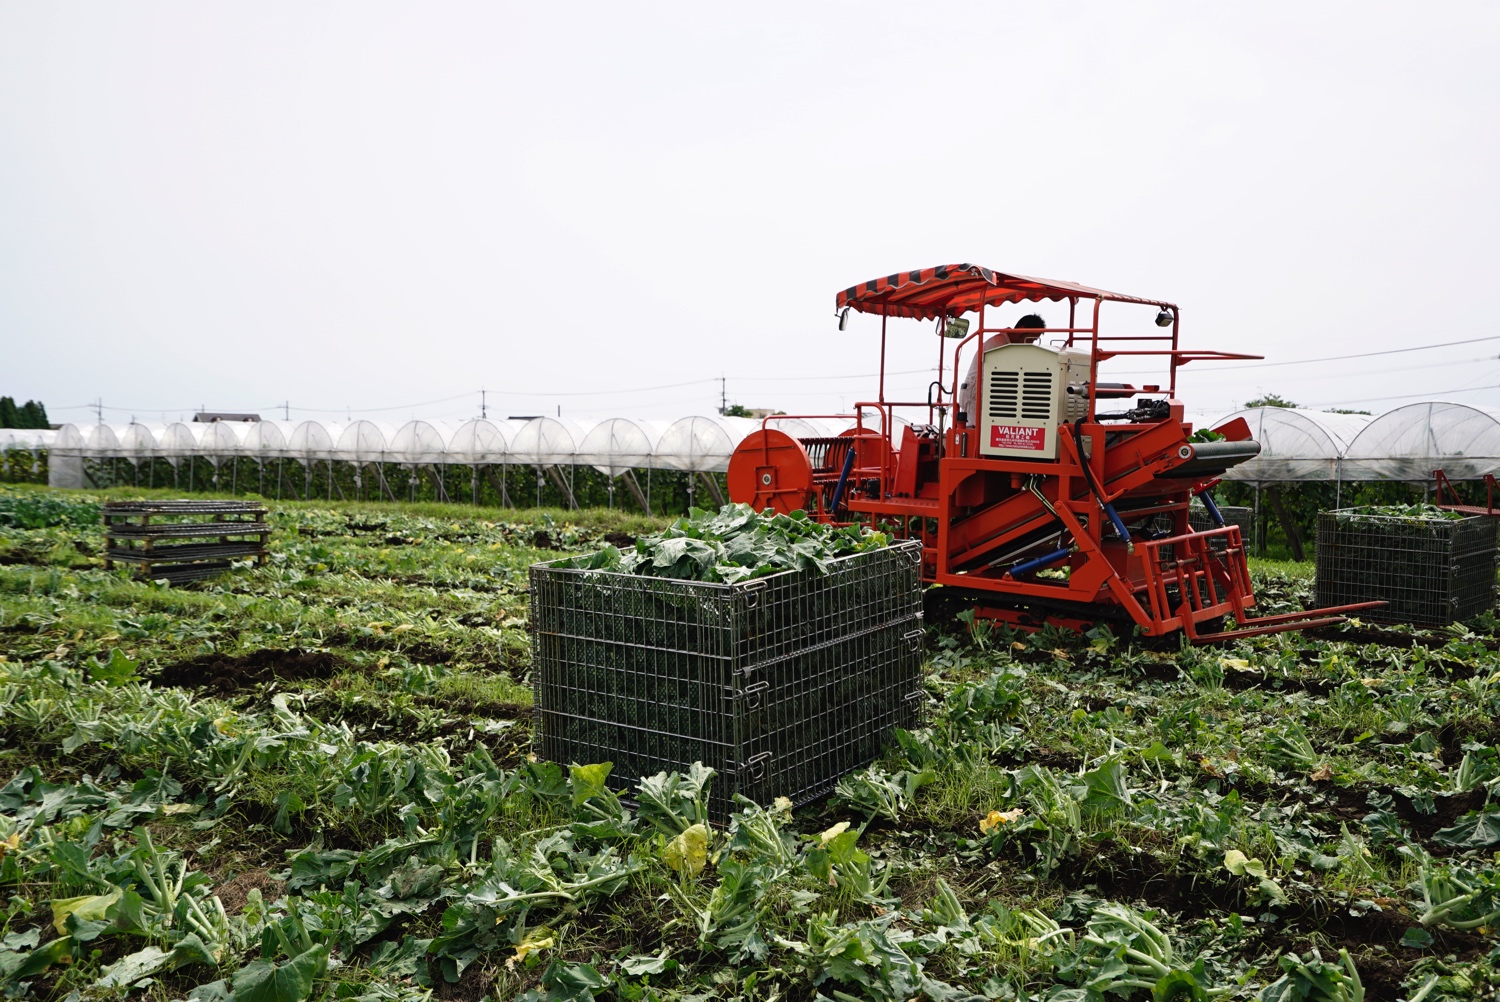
point(418, 443)
point(312, 440)
point(478, 441)
point(1410, 442)
point(266, 439)
point(1294, 444)
point(545, 441)
point(222, 440)
point(697, 445)
point(618, 444)
point(361, 442)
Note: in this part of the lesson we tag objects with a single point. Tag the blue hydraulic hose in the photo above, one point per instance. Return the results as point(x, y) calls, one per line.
point(1037, 563)
point(1211, 508)
point(1114, 517)
point(838, 490)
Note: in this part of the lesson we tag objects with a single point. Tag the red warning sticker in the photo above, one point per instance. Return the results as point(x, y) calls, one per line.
point(1009, 436)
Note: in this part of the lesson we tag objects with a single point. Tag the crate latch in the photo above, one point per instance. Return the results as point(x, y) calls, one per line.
point(754, 768)
point(913, 639)
point(753, 695)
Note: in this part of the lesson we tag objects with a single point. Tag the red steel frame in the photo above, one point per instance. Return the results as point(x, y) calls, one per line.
point(982, 513)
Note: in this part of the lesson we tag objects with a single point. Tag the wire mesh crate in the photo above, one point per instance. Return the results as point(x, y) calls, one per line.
point(782, 684)
point(1200, 521)
point(1432, 571)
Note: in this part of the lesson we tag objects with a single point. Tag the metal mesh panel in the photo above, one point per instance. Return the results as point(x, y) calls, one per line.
point(1431, 571)
point(1199, 521)
point(782, 684)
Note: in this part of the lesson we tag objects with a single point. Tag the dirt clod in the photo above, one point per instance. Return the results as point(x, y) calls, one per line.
point(232, 673)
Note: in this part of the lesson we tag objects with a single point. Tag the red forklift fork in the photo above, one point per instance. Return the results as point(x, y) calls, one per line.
point(1211, 583)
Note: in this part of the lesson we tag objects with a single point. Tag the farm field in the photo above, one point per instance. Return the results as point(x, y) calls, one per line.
point(312, 780)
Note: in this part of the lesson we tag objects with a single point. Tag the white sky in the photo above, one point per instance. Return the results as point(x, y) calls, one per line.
point(379, 209)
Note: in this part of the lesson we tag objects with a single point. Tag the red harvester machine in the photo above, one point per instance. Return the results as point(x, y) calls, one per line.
point(1032, 499)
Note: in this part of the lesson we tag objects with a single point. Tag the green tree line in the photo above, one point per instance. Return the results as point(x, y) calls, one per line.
point(31, 414)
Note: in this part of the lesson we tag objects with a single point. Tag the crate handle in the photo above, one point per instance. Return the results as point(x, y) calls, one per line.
point(755, 766)
point(913, 696)
point(751, 590)
point(913, 639)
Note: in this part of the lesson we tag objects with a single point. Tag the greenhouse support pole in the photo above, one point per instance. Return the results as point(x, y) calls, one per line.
point(634, 487)
point(1260, 532)
point(380, 479)
point(437, 483)
point(234, 475)
point(474, 484)
point(499, 483)
point(648, 490)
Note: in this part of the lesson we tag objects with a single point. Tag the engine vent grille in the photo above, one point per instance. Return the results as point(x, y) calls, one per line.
point(1005, 394)
point(1036, 396)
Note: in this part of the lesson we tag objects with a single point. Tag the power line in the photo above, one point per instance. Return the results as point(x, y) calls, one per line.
point(1363, 354)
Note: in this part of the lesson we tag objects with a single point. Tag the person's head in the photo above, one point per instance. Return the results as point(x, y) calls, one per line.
point(1031, 322)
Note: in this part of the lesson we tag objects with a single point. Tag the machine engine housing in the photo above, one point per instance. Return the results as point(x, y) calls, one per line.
point(1024, 395)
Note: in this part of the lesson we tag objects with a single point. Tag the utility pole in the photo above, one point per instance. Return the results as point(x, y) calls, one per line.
point(723, 395)
point(287, 409)
point(99, 410)
point(483, 408)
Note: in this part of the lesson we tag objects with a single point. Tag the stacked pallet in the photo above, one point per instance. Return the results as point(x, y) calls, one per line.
point(183, 540)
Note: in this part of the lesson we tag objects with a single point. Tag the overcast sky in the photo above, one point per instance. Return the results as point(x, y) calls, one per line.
point(380, 209)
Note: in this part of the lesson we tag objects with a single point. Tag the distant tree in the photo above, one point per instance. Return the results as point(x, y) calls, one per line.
point(1269, 400)
point(1344, 410)
point(33, 415)
point(737, 410)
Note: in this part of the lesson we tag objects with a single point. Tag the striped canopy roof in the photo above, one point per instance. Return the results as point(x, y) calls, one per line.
point(954, 289)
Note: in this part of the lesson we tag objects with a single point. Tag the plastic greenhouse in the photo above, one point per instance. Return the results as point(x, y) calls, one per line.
point(309, 458)
point(1295, 444)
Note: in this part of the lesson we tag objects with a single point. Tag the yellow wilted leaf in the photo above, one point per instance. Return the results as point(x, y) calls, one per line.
point(1237, 664)
point(994, 819)
point(88, 907)
point(834, 832)
point(688, 852)
point(781, 805)
point(536, 941)
point(10, 844)
point(403, 628)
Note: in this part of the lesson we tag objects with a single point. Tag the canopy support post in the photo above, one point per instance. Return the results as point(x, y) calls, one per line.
point(882, 357)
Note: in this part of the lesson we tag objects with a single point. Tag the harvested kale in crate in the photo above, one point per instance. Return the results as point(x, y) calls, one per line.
point(1433, 567)
point(782, 683)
